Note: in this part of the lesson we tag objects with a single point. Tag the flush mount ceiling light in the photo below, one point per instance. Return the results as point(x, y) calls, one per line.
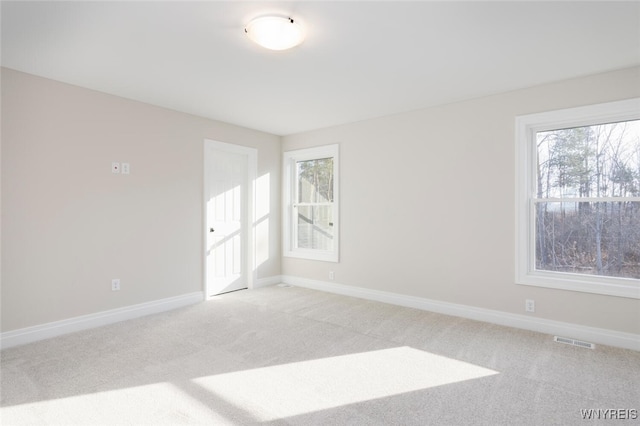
point(275, 32)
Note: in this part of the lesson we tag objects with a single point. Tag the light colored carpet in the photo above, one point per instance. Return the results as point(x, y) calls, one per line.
point(281, 356)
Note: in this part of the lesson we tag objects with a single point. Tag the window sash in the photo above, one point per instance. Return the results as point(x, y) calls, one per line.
point(566, 250)
point(313, 231)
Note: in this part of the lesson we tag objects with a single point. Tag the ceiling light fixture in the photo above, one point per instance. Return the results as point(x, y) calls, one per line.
point(275, 32)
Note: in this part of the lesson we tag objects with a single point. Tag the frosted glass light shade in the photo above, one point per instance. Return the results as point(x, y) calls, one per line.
point(275, 32)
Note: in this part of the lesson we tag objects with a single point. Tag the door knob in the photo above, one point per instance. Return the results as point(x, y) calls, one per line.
point(212, 230)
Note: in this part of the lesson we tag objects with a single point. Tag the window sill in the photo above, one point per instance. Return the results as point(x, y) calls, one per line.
point(324, 256)
point(609, 286)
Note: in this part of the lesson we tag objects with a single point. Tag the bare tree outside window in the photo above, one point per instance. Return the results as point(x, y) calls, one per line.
point(586, 220)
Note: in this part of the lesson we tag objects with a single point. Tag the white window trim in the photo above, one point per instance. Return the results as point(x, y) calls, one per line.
point(526, 128)
point(289, 178)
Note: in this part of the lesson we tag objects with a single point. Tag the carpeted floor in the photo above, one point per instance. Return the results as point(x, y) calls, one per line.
point(287, 355)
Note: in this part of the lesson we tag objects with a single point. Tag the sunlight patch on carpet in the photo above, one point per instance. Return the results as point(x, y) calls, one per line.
point(157, 403)
point(303, 387)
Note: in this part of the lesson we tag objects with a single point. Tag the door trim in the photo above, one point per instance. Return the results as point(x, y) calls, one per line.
point(248, 222)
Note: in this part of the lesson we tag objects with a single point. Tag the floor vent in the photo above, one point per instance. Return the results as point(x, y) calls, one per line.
point(284, 285)
point(574, 342)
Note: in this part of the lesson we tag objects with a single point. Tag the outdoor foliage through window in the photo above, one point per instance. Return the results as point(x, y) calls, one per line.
point(587, 207)
point(314, 204)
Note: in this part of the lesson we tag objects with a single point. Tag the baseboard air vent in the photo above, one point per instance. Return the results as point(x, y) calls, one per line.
point(573, 342)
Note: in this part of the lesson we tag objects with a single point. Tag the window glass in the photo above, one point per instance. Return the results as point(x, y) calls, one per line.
point(600, 163)
point(315, 180)
point(315, 227)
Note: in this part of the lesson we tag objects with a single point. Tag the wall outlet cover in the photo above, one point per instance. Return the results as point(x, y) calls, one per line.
point(530, 305)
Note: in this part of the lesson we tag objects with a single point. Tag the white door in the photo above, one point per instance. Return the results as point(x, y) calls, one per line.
point(228, 200)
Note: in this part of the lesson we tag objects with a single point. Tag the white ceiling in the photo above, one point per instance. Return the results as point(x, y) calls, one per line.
point(360, 59)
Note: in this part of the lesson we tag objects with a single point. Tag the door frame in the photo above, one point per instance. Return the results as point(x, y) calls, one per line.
point(248, 221)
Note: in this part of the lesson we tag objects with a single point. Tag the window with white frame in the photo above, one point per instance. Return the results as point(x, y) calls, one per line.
point(311, 220)
point(578, 195)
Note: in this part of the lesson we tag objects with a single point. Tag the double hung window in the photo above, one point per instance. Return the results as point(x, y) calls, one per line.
point(311, 219)
point(579, 199)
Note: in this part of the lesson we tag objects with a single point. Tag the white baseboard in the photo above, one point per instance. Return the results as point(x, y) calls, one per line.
point(596, 335)
point(590, 334)
point(45, 331)
point(265, 282)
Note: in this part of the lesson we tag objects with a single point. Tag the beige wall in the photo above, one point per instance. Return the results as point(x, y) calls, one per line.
point(428, 204)
point(69, 225)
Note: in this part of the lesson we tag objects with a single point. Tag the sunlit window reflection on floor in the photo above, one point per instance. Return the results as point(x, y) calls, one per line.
point(251, 396)
point(303, 387)
point(156, 403)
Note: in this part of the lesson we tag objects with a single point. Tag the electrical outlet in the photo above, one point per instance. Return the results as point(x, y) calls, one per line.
point(126, 169)
point(331, 275)
point(115, 284)
point(530, 305)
